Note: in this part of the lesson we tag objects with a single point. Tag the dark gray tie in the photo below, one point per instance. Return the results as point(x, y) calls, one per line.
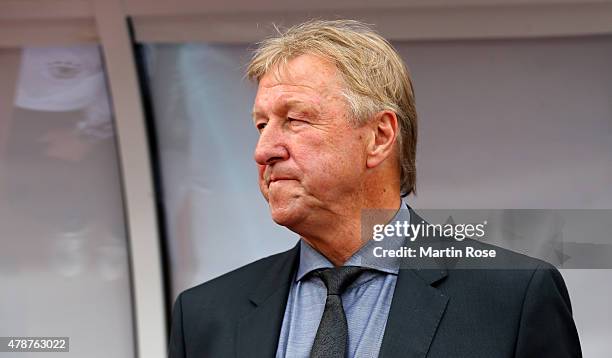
point(332, 334)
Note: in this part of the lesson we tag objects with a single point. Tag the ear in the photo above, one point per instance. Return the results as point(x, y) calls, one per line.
point(385, 128)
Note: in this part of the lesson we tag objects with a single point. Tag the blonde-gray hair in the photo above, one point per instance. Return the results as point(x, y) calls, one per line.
point(374, 75)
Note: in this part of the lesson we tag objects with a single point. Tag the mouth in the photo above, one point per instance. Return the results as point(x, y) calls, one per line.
point(280, 179)
point(269, 177)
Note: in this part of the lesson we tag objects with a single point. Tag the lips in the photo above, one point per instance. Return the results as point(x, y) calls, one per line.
point(270, 177)
point(279, 180)
point(273, 179)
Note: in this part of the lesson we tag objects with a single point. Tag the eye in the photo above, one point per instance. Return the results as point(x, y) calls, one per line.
point(294, 120)
point(260, 126)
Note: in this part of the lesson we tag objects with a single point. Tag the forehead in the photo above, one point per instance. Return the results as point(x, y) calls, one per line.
point(304, 78)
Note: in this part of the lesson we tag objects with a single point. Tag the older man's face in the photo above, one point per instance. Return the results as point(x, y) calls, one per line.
point(311, 158)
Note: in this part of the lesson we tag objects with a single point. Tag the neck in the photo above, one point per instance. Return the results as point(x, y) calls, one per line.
point(338, 237)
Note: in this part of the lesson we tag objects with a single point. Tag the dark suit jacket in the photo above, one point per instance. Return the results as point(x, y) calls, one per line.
point(436, 311)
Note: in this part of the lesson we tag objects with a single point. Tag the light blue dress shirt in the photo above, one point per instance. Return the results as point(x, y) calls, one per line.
point(366, 302)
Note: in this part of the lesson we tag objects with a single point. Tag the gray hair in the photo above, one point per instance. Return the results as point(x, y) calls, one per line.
point(374, 75)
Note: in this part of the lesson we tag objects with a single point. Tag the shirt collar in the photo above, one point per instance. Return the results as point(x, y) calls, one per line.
point(311, 259)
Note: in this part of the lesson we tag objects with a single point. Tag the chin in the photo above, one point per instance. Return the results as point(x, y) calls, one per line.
point(286, 216)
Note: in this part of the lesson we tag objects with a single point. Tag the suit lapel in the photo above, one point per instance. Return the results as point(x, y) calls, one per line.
point(258, 332)
point(416, 308)
point(414, 316)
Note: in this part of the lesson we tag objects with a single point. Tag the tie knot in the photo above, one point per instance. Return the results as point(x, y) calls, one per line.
point(337, 279)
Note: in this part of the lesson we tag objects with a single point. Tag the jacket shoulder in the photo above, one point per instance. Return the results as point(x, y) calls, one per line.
point(236, 283)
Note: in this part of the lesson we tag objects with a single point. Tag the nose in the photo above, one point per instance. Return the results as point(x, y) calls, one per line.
point(271, 146)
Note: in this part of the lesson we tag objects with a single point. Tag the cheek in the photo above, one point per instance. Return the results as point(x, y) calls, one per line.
point(333, 165)
point(348, 162)
point(329, 160)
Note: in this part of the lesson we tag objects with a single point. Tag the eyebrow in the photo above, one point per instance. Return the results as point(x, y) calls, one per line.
point(290, 104)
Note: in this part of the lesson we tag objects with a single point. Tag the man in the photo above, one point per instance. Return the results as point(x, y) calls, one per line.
point(337, 122)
